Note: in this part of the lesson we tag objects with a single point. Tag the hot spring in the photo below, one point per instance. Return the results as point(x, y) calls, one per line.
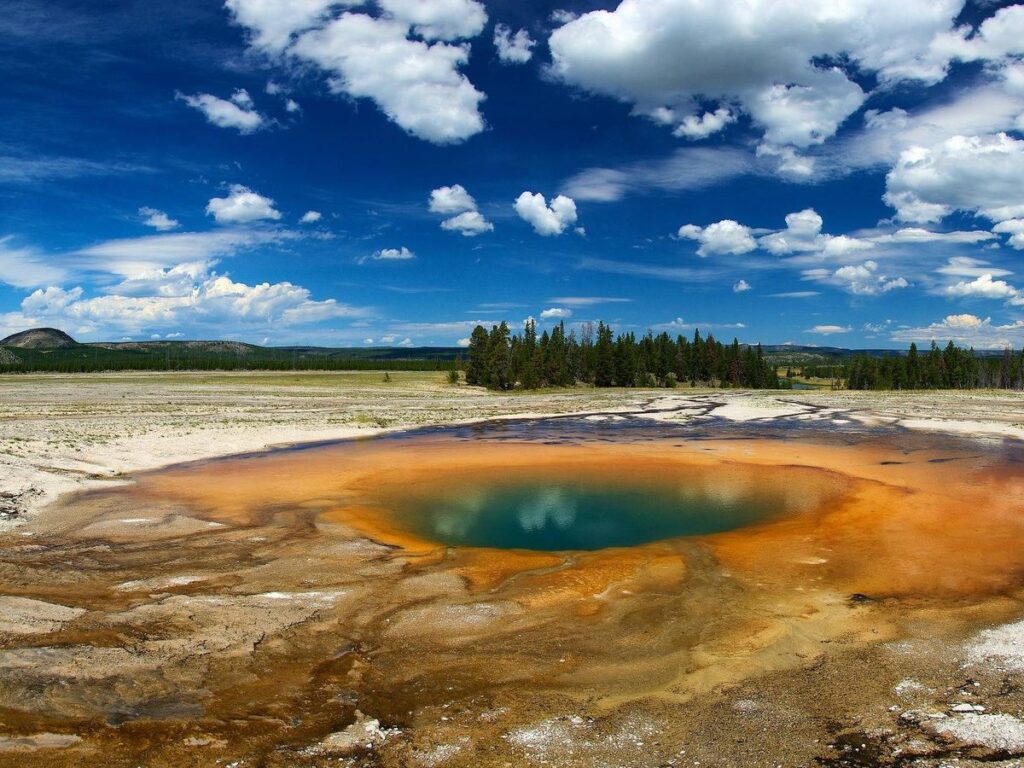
point(588, 509)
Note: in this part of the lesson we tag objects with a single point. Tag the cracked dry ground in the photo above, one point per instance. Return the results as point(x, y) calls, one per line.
point(255, 612)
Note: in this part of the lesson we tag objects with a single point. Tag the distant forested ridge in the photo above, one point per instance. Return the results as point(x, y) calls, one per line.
point(950, 368)
point(45, 352)
point(500, 360)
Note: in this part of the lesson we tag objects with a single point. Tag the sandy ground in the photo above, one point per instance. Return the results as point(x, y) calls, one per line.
point(189, 630)
point(65, 433)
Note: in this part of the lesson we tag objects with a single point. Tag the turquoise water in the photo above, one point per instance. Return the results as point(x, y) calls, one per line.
point(537, 515)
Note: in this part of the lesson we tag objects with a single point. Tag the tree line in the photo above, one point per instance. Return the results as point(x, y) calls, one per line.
point(950, 368)
point(499, 359)
point(96, 360)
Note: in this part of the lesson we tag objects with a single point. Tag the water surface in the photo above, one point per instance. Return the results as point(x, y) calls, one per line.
point(526, 510)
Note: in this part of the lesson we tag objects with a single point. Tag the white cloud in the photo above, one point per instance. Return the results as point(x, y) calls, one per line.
point(788, 162)
point(438, 19)
point(740, 286)
point(157, 219)
point(241, 206)
point(1015, 229)
point(292, 106)
point(389, 254)
point(455, 199)
point(463, 342)
point(722, 237)
point(702, 126)
point(273, 22)
point(998, 36)
point(417, 84)
point(802, 115)
point(966, 330)
point(859, 279)
point(311, 217)
point(546, 220)
point(25, 267)
point(794, 295)
point(588, 301)
point(976, 174)
point(239, 112)
point(803, 235)
point(389, 58)
point(468, 224)
point(555, 313)
point(513, 48)
point(918, 235)
point(212, 304)
point(139, 256)
point(686, 169)
point(674, 53)
point(828, 330)
point(983, 286)
point(968, 266)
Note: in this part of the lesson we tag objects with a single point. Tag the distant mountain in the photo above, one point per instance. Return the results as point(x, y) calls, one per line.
point(39, 338)
point(210, 347)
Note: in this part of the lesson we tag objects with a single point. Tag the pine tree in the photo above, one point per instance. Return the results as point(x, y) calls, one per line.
point(476, 372)
point(498, 357)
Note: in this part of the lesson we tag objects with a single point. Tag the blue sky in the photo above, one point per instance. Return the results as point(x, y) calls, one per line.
point(394, 171)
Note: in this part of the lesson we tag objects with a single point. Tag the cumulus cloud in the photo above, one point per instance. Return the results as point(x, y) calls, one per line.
point(555, 313)
point(673, 54)
point(513, 48)
point(546, 219)
point(468, 224)
point(983, 286)
point(998, 36)
point(702, 126)
point(468, 221)
point(242, 206)
point(976, 174)
point(860, 279)
point(389, 254)
point(803, 235)
point(966, 330)
point(723, 237)
point(740, 286)
point(1015, 229)
point(212, 302)
point(273, 23)
point(405, 60)
point(311, 217)
point(157, 219)
point(438, 19)
point(453, 199)
point(238, 112)
point(828, 330)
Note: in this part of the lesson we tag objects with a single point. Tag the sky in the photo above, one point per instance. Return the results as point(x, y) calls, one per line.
point(393, 172)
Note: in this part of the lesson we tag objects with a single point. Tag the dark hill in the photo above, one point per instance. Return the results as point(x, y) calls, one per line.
point(39, 338)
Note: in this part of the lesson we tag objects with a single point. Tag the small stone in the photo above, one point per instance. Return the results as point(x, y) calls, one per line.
point(967, 708)
point(364, 734)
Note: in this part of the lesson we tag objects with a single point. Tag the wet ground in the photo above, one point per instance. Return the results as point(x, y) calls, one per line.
point(272, 610)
